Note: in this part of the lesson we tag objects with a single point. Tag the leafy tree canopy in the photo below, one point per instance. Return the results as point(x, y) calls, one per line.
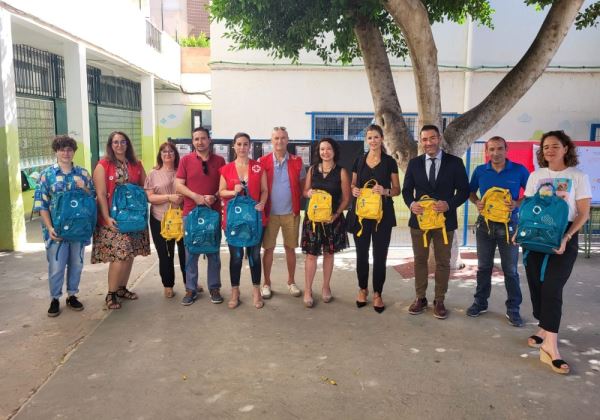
point(285, 27)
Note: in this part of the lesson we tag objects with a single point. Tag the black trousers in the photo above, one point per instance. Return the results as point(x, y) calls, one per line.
point(166, 254)
point(381, 243)
point(546, 296)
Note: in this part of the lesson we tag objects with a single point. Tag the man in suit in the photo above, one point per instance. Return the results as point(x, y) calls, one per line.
point(443, 177)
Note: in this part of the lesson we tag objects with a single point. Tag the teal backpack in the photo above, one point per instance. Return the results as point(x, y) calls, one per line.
point(73, 214)
point(244, 223)
point(129, 208)
point(202, 231)
point(543, 221)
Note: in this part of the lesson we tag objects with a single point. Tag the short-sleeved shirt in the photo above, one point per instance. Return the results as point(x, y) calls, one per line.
point(512, 177)
point(53, 181)
point(571, 184)
point(281, 191)
point(382, 173)
point(161, 181)
point(191, 170)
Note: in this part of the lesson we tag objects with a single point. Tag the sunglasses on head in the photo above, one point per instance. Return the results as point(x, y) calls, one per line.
point(279, 128)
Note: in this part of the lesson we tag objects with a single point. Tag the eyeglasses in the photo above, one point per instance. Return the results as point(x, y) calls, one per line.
point(205, 167)
point(167, 152)
point(279, 129)
point(119, 142)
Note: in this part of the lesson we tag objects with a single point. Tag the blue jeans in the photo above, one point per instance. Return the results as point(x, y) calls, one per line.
point(213, 272)
point(509, 257)
point(64, 256)
point(236, 255)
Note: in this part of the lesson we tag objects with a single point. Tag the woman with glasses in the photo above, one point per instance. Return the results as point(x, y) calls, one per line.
point(557, 159)
point(119, 166)
point(160, 189)
point(329, 237)
point(375, 165)
point(244, 176)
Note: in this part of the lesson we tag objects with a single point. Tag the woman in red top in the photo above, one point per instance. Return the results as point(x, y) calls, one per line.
point(244, 175)
point(119, 166)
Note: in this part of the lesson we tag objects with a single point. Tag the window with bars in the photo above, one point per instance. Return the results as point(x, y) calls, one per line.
point(352, 127)
point(36, 131)
point(112, 119)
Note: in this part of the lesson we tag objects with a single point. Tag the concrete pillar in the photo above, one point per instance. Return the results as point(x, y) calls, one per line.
point(76, 89)
point(149, 140)
point(12, 226)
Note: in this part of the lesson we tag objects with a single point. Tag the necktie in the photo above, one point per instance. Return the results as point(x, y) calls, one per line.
point(432, 172)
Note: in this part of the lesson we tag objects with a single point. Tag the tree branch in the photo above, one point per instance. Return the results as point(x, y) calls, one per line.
point(467, 128)
point(388, 114)
point(412, 18)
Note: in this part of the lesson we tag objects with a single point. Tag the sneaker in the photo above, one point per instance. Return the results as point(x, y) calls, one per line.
point(439, 310)
point(265, 291)
point(475, 310)
point(514, 319)
point(418, 306)
point(188, 299)
point(294, 291)
point(74, 303)
point(54, 309)
point(215, 296)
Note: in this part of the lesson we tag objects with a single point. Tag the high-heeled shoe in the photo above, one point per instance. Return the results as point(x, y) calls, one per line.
point(377, 299)
point(258, 301)
point(308, 303)
point(557, 365)
point(362, 294)
point(327, 297)
point(234, 302)
point(535, 341)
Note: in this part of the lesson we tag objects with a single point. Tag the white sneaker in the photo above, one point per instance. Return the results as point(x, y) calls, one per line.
point(265, 291)
point(294, 291)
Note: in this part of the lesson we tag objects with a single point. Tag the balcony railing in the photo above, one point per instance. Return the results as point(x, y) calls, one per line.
point(153, 36)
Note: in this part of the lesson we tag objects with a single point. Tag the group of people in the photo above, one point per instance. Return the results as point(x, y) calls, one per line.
point(279, 180)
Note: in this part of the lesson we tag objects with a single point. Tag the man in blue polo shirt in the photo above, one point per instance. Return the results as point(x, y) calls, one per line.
point(498, 172)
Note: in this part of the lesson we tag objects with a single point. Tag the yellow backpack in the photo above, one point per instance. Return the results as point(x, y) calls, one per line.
point(171, 226)
point(431, 219)
point(496, 207)
point(368, 205)
point(319, 207)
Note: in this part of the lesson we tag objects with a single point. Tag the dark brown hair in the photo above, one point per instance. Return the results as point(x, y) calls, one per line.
point(428, 127)
point(237, 136)
point(60, 142)
point(129, 152)
point(570, 158)
point(334, 145)
point(375, 127)
point(159, 161)
point(201, 129)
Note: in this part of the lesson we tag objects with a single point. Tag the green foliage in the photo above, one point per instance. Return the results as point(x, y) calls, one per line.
point(285, 27)
point(589, 17)
point(195, 41)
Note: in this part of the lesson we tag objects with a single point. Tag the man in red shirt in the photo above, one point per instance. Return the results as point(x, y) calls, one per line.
point(197, 180)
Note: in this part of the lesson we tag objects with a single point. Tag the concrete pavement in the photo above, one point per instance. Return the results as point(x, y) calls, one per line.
point(155, 359)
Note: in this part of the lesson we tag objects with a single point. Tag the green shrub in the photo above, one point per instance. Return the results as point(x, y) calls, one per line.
point(195, 41)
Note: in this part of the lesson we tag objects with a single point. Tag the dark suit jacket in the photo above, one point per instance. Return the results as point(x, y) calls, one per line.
point(451, 185)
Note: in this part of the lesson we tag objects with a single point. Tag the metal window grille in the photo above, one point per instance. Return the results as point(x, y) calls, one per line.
point(330, 127)
point(153, 36)
point(112, 119)
point(38, 72)
point(120, 93)
point(36, 130)
point(357, 126)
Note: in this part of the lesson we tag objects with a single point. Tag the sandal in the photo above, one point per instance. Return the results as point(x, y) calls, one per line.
point(169, 293)
point(122, 292)
point(258, 301)
point(111, 301)
point(557, 365)
point(234, 302)
point(535, 341)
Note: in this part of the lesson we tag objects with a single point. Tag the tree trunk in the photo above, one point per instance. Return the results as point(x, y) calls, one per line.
point(412, 18)
point(388, 114)
point(467, 128)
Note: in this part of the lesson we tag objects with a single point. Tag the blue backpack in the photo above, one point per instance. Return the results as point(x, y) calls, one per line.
point(73, 214)
point(543, 221)
point(202, 231)
point(244, 223)
point(129, 208)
